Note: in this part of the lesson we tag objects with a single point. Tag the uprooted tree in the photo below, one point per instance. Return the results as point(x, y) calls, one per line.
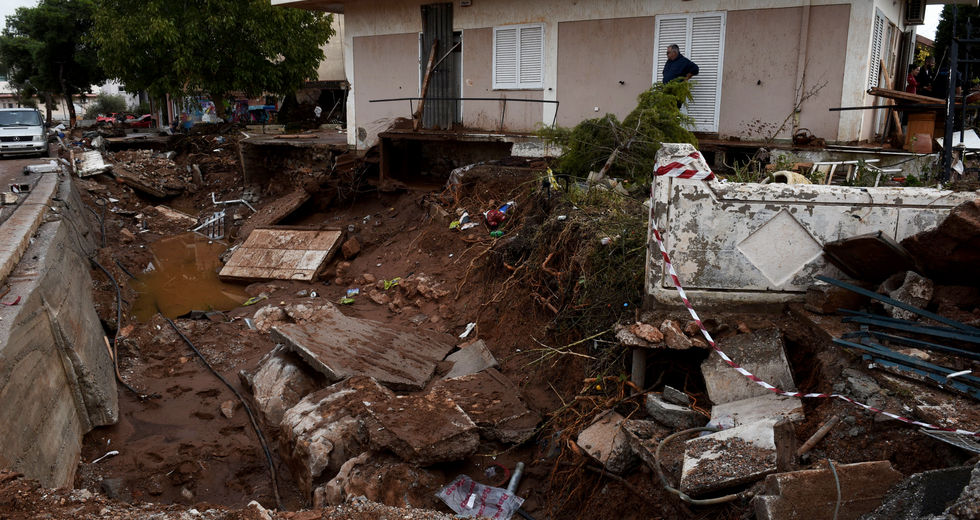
point(626, 148)
point(209, 46)
point(46, 51)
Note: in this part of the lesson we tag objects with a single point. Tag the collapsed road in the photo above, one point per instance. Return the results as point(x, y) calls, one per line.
point(328, 346)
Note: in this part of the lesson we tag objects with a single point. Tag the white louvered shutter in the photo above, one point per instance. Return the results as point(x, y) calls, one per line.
point(505, 62)
point(670, 30)
point(877, 36)
point(707, 48)
point(531, 57)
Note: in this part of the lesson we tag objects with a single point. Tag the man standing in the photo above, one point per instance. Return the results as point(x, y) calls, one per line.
point(925, 77)
point(677, 66)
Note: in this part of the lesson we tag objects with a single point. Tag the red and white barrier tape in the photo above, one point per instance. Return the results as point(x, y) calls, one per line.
point(688, 167)
point(754, 378)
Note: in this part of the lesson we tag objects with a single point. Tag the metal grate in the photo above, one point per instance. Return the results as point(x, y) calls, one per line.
point(967, 442)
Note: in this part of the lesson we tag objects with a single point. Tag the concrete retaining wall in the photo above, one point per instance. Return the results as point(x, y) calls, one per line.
point(56, 376)
point(762, 243)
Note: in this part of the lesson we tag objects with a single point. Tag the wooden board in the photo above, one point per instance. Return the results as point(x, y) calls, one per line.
point(903, 96)
point(275, 211)
point(282, 253)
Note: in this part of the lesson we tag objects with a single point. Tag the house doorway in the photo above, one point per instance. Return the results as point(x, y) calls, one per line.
point(446, 79)
point(701, 37)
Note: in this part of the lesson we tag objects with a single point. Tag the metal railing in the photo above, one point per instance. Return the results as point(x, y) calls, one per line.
point(503, 105)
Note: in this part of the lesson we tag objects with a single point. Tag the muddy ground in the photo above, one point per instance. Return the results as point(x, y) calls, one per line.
point(185, 442)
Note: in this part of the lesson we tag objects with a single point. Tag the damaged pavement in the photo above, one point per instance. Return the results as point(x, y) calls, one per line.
point(407, 344)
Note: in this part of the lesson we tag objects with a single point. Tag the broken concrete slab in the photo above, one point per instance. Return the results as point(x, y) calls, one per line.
point(647, 332)
point(279, 382)
point(338, 347)
point(493, 402)
point(423, 429)
point(675, 396)
point(968, 504)
point(949, 252)
point(771, 407)
point(674, 336)
point(606, 441)
point(644, 437)
point(812, 493)
point(382, 478)
point(871, 257)
point(736, 456)
point(91, 163)
point(282, 253)
point(177, 217)
point(923, 494)
point(471, 358)
point(326, 429)
point(761, 353)
point(908, 287)
point(672, 415)
point(824, 298)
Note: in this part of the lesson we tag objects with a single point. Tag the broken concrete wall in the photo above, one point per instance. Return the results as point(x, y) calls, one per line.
point(56, 376)
point(762, 243)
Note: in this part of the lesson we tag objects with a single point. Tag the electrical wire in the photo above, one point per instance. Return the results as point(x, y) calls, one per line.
point(248, 410)
point(683, 496)
point(837, 483)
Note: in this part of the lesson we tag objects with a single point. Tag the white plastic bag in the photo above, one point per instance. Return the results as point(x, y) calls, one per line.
point(471, 499)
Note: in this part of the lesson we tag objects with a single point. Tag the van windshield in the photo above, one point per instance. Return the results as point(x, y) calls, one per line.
point(20, 118)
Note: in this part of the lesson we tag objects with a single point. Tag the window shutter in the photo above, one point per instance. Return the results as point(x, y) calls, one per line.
point(876, 42)
point(707, 46)
point(669, 31)
point(532, 56)
point(505, 61)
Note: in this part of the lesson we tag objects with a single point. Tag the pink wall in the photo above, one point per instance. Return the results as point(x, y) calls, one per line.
point(760, 70)
point(594, 56)
point(386, 67)
point(478, 82)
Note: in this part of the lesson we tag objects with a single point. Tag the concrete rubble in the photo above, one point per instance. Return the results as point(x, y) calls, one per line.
point(908, 287)
point(493, 403)
point(761, 353)
point(381, 478)
point(471, 358)
point(675, 416)
point(606, 441)
point(812, 493)
point(422, 429)
point(931, 493)
point(279, 382)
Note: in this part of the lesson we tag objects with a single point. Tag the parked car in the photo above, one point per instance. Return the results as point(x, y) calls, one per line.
point(143, 121)
point(22, 132)
point(109, 119)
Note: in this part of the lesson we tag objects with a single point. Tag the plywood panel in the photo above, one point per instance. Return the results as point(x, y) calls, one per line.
point(282, 254)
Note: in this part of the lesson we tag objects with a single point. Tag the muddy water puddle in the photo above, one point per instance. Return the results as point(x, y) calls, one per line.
point(184, 277)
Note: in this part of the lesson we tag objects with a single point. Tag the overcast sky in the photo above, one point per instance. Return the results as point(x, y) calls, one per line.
point(7, 8)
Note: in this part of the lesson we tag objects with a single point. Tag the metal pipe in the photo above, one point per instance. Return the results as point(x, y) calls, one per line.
point(515, 478)
point(817, 436)
point(464, 99)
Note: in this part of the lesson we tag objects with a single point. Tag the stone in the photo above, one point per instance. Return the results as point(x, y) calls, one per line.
point(824, 298)
point(736, 456)
point(699, 343)
point(471, 358)
point(228, 409)
point(968, 504)
point(115, 488)
point(338, 347)
point(126, 235)
point(493, 402)
point(342, 270)
point(279, 382)
point(923, 494)
point(369, 278)
point(773, 407)
point(644, 438)
point(692, 329)
point(351, 248)
point(327, 428)
point(647, 332)
point(951, 250)
point(268, 316)
point(261, 512)
point(423, 429)
point(860, 385)
point(379, 297)
point(606, 442)
point(673, 395)
point(627, 338)
point(761, 353)
point(381, 478)
point(674, 336)
point(812, 493)
point(910, 288)
point(671, 415)
point(186, 494)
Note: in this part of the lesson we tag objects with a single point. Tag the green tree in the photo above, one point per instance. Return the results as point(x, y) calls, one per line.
point(944, 31)
point(211, 47)
point(46, 50)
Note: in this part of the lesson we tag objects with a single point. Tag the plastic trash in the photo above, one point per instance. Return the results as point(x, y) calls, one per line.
point(471, 499)
point(469, 328)
point(353, 292)
point(497, 234)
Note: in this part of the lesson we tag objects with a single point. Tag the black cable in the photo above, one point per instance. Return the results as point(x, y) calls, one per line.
point(125, 270)
point(248, 410)
point(524, 514)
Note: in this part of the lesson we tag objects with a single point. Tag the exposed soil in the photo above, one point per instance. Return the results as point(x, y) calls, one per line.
point(179, 450)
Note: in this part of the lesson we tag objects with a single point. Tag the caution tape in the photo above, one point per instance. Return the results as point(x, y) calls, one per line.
point(690, 166)
point(752, 377)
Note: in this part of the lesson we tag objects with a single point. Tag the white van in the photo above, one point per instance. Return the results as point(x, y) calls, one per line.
point(22, 132)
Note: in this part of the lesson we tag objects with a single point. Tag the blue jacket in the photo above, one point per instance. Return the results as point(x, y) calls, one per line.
point(678, 68)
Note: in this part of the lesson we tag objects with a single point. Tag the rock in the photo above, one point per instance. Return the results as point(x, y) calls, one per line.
point(824, 298)
point(968, 504)
point(647, 332)
point(326, 428)
point(228, 409)
point(671, 415)
point(115, 488)
point(673, 395)
point(699, 343)
point(126, 235)
point(923, 494)
point(154, 485)
point(736, 456)
point(186, 494)
point(279, 382)
point(423, 429)
point(606, 442)
point(644, 437)
point(950, 251)
point(351, 248)
point(674, 336)
point(742, 328)
point(772, 407)
point(369, 278)
point(812, 493)
point(861, 386)
point(908, 287)
point(339, 346)
point(382, 478)
point(379, 297)
point(471, 358)
point(493, 403)
point(268, 316)
point(692, 329)
point(627, 338)
point(260, 511)
point(342, 270)
point(761, 353)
